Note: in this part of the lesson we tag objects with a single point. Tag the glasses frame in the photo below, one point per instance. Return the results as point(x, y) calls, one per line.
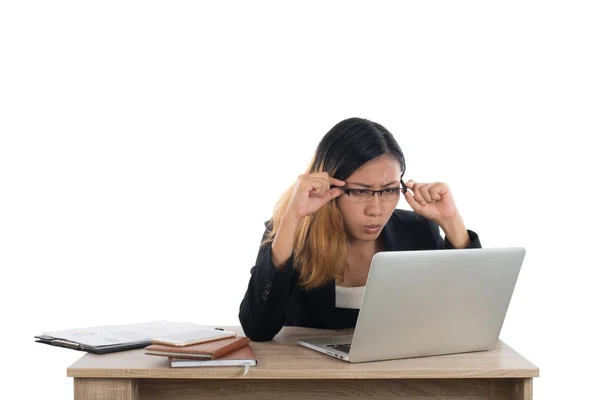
point(403, 189)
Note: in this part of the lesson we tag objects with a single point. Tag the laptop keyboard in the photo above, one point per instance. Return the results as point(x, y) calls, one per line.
point(344, 348)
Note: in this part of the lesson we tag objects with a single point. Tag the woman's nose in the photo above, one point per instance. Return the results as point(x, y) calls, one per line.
point(374, 206)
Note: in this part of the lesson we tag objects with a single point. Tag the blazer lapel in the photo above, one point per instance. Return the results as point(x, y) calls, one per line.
point(395, 237)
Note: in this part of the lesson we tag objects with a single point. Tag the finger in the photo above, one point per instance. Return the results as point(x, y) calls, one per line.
point(336, 182)
point(412, 202)
point(314, 186)
point(436, 190)
point(443, 189)
point(331, 194)
point(322, 185)
point(324, 176)
point(424, 190)
point(336, 192)
point(417, 193)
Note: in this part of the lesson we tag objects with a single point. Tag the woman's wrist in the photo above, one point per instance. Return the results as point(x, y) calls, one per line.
point(456, 232)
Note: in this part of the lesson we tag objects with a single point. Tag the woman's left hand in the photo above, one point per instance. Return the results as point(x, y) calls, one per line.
point(432, 200)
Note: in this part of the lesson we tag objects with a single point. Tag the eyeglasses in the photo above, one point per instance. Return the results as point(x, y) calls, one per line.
point(364, 195)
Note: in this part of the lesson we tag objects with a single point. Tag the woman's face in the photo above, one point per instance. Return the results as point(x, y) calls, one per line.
point(358, 213)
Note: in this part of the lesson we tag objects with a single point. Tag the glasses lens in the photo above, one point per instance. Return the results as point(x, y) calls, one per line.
point(391, 194)
point(364, 195)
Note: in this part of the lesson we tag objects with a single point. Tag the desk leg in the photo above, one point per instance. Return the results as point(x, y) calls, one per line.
point(105, 389)
point(524, 389)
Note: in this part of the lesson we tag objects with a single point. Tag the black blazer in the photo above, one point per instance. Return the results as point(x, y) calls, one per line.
point(274, 298)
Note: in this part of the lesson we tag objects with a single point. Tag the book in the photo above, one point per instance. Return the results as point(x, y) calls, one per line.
point(206, 350)
point(194, 337)
point(244, 356)
point(111, 338)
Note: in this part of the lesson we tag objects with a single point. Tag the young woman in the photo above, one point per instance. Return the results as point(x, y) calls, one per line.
point(316, 251)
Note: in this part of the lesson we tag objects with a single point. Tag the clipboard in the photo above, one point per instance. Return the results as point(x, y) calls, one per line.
point(111, 348)
point(113, 338)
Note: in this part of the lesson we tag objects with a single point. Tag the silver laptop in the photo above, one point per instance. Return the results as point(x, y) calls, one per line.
point(429, 302)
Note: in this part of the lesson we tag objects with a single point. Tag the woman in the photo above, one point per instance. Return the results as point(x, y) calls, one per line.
point(314, 259)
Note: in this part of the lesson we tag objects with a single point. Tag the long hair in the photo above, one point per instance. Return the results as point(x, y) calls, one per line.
point(320, 240)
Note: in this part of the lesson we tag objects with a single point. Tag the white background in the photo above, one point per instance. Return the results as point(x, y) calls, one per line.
point(143, 145)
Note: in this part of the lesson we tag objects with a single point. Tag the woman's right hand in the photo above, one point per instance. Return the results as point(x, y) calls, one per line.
point(311, 192)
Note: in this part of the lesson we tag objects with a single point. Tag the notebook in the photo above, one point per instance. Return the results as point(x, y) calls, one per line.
point(194, 337)
point(207, 350)
point(240, 357)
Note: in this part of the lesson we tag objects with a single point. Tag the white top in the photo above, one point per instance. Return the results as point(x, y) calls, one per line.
point(349, 297)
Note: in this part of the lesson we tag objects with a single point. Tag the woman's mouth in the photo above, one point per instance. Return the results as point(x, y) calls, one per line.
point(372, 228)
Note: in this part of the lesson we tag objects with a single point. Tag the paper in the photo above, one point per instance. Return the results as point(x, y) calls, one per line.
point(117, 334)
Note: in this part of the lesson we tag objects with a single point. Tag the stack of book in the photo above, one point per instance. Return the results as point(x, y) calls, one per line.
point(231, 351)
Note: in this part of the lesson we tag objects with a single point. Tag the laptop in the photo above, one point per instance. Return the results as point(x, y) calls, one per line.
point(429, 302)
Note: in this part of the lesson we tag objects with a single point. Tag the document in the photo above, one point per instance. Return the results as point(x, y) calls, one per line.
point(108, 338)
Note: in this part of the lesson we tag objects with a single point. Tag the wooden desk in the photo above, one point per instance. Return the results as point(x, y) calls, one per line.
point(287, 370)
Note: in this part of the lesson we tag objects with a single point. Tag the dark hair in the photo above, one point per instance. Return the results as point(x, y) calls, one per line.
point(351, 143)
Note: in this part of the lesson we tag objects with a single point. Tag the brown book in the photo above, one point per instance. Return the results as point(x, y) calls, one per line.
point(240, 357)
point(207, 350)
